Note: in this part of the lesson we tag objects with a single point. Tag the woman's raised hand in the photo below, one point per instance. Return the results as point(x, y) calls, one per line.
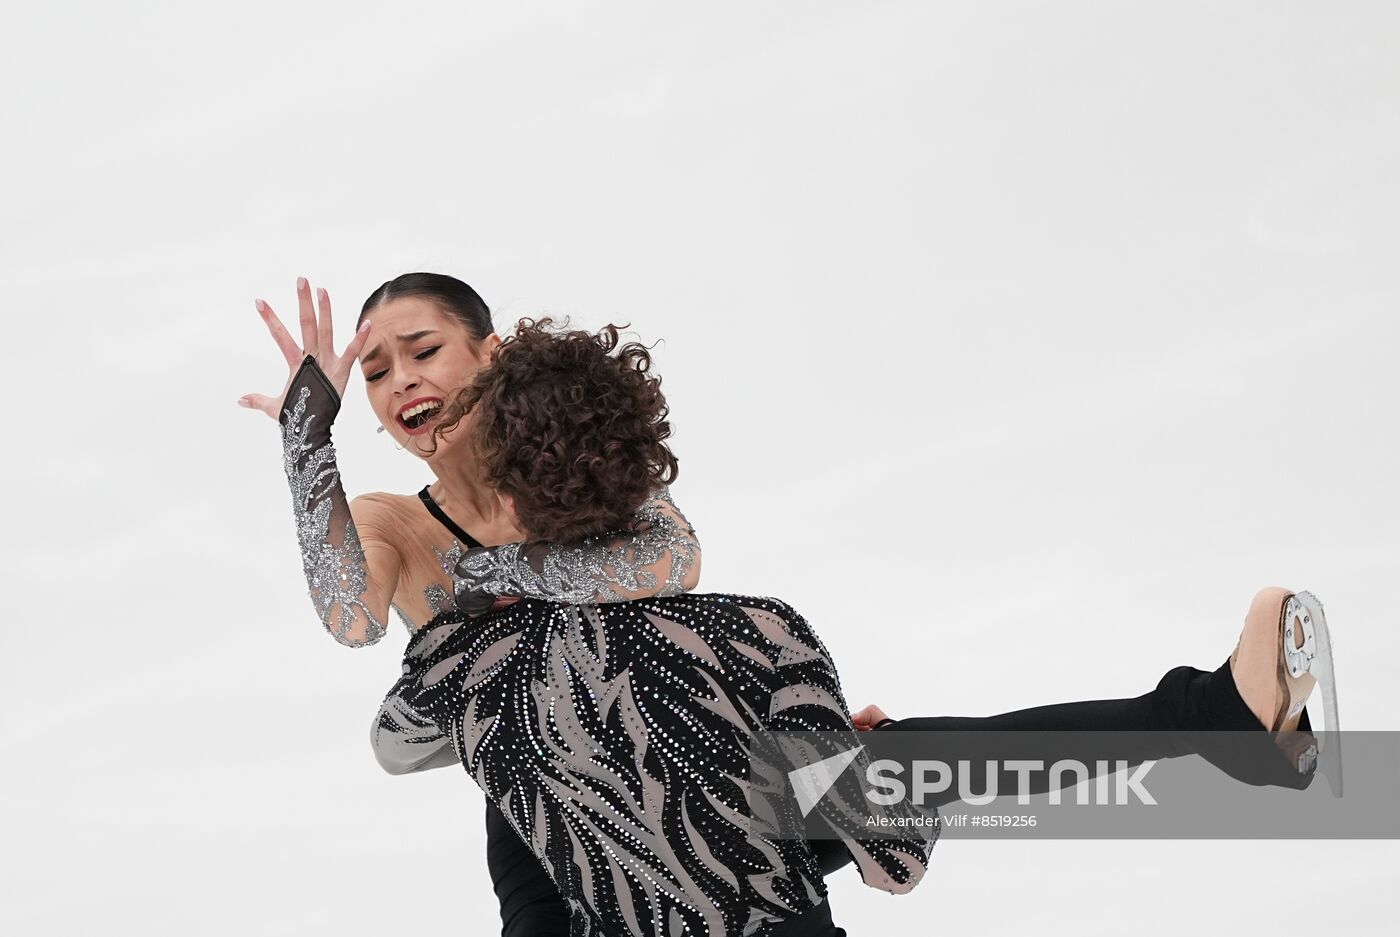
point(317, 340)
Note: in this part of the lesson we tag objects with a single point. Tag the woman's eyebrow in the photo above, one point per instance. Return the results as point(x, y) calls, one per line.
point(378, 350)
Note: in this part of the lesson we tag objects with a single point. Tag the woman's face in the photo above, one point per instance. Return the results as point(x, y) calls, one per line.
point(417, 356)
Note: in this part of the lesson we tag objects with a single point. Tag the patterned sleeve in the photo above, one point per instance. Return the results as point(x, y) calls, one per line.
point(658, 555)
point(337, 572)
point(811, 701)
point(404, 738)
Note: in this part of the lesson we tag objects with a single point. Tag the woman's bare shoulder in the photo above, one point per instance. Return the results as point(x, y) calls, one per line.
point(384, 511)
point(387, 500)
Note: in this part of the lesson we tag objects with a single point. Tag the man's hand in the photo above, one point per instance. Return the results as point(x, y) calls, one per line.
point(868, 718)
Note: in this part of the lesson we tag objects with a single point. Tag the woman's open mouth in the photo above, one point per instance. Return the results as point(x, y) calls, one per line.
point(417, 414)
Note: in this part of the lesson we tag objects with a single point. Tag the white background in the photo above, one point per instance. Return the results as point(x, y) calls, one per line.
point(1017, 344)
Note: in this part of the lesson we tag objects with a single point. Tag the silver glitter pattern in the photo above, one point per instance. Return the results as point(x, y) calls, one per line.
point(408, 622)
point(615, 739)
point(336, 570)
point(652, 558)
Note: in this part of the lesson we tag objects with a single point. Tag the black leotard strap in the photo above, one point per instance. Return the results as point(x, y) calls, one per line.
point(467, 539)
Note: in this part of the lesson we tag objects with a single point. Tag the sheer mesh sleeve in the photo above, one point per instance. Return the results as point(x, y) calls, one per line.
point(811, 701)
point(337, 571)
point(658, 555)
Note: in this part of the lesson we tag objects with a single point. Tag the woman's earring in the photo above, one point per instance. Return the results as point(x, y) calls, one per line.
point(381, 429)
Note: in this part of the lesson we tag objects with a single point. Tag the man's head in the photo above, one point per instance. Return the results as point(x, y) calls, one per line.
point(570, 425)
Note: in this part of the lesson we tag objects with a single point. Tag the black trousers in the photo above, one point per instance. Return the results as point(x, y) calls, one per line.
point(1185, 700)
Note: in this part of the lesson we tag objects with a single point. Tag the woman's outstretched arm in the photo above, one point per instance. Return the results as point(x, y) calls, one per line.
point(658, 554)
point(350, 577)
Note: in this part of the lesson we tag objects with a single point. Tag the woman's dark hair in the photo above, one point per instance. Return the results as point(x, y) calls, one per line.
point(570, 425)
point(456, 298)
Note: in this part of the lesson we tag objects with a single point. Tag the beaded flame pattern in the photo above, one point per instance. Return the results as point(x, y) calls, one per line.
point(615, 739)
point(336, 570)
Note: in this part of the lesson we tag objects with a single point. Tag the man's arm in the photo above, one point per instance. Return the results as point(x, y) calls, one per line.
point(812, 701)
point(405, 741)
point(404, 738)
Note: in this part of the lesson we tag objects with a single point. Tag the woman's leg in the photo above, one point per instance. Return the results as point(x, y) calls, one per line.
point(1178, 717)
point(1130, 730)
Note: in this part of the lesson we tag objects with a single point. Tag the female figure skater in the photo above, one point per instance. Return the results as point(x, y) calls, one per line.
point(385, 551)
point(1191, 698)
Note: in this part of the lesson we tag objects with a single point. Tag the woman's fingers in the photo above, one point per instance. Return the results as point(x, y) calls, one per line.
point(309, 335)
point(325, 328)
point(317, 337)
point(357, 344)
point(284, 341)
point(259, 402)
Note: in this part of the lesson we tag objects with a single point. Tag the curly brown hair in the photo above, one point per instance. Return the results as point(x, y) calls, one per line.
point(574, 433)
